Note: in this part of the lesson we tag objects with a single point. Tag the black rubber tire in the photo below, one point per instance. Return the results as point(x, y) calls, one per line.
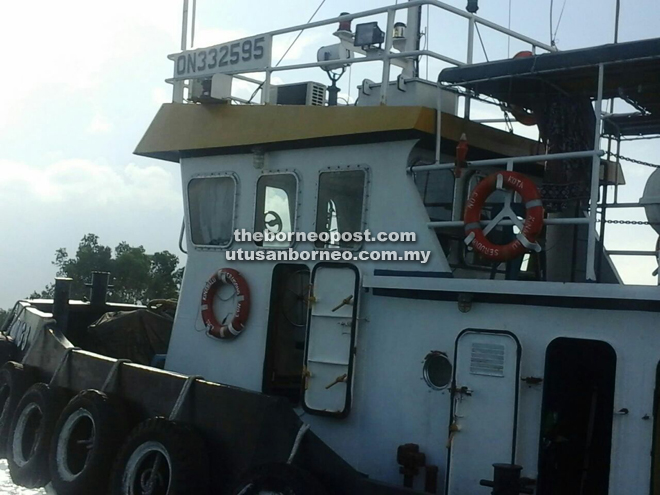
point(184, 461)
point(31, 431)
point(77, 468)
point(14, 382)
point(8, 349)
point(279, 478)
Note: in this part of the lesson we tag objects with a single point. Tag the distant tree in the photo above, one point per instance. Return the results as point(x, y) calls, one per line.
point(137, 277)
point(3, 315)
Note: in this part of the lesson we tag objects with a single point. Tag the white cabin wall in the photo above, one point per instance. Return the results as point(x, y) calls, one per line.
point(392, 404)
point(393, 205)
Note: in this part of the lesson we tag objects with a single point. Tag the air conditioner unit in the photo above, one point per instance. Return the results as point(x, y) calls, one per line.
point(211, 89)
point(306, 93)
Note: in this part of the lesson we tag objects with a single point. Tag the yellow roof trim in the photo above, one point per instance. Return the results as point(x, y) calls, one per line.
point(194, 128)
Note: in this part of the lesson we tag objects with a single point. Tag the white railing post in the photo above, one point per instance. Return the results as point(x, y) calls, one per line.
point(265, 89)
point(470, 58)
point(385, 83)
point(177, 91)
point(595, 181)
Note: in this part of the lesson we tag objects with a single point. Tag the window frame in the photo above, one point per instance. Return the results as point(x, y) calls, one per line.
point(230, 175)
point(365, 198)
point(296, 211)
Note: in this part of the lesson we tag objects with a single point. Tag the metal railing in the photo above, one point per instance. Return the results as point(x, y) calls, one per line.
point(590, 220)
point(386, 56)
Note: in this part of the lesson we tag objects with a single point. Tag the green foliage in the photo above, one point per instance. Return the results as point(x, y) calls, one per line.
point(137, 277)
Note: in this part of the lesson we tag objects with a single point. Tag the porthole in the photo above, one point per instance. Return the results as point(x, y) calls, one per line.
point(437, 370)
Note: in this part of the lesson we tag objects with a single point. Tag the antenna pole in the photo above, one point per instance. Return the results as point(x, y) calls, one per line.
point(616, 25)
point(413, 36)
point(184, 26)
point(192, 23)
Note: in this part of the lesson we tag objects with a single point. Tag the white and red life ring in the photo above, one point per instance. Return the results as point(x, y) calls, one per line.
point(526, 239)
point(233, 328)
point(521, 115)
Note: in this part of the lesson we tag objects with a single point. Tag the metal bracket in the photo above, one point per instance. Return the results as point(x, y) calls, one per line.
point(366, 86)
point(62, 362)
point(401, 83)
point(187, 386)
point(114, 371)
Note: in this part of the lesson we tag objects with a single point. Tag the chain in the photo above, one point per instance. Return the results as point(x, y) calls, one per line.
point(630, 222)
point(634, 160)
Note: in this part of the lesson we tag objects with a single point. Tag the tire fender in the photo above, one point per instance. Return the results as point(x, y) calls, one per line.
point(32, 426)
point(15, 379)
point(178, 449)
point(85, 441)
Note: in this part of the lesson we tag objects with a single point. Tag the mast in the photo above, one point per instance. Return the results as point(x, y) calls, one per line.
point(413, 38)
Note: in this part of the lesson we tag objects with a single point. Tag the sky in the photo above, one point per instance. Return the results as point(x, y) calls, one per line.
point(82, 80)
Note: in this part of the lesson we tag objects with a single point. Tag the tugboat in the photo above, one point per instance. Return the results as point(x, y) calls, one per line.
point(513, 360)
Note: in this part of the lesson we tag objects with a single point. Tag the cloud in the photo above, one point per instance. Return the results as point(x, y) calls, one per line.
point(99, 125)
point(90, 185)
point(209, 37)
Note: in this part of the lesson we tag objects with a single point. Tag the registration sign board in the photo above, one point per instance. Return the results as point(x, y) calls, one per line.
point(245, 55)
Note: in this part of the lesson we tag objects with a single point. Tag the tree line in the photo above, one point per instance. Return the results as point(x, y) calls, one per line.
point(137, 277)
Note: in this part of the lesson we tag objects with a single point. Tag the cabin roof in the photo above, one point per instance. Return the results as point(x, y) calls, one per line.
point(632, 72)
point(183, 130)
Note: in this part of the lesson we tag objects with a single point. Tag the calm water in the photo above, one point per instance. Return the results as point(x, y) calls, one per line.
point(8, 488)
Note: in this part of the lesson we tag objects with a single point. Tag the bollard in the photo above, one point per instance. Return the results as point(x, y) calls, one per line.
point(61, 303)
point(506, 480)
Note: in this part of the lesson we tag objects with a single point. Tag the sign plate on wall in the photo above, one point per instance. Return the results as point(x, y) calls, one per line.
point(248, 54)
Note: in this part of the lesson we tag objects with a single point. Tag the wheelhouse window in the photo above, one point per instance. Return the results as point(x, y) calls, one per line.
point(276, 206)
point(211, 202)
point(340, 206)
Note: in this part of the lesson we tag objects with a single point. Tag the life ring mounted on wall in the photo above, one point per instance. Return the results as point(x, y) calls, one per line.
point(529, 230)
point(226, 329)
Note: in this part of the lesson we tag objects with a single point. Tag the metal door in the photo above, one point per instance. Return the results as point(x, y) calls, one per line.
point(331, 329)
point(484, 408)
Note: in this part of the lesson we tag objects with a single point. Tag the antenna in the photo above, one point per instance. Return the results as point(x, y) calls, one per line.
point(616, 25)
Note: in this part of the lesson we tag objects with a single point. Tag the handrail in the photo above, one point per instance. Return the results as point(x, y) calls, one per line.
point(386, 55)
point(413, 4)
point(181, 236)
point(507, 161)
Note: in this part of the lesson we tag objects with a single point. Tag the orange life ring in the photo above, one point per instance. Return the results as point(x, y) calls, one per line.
point(233, 328)
point(526, 239)
point(523, 116)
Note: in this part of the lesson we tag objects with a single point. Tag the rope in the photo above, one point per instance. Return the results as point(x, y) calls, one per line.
point(288, 49)
point(483, 47)
point(561, 14)
point(296, 443)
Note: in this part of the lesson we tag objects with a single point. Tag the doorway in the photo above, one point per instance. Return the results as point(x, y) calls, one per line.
point(287, 322)
point(576, 420)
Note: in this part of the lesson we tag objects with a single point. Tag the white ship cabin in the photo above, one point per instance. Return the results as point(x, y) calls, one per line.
point(517, 342)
